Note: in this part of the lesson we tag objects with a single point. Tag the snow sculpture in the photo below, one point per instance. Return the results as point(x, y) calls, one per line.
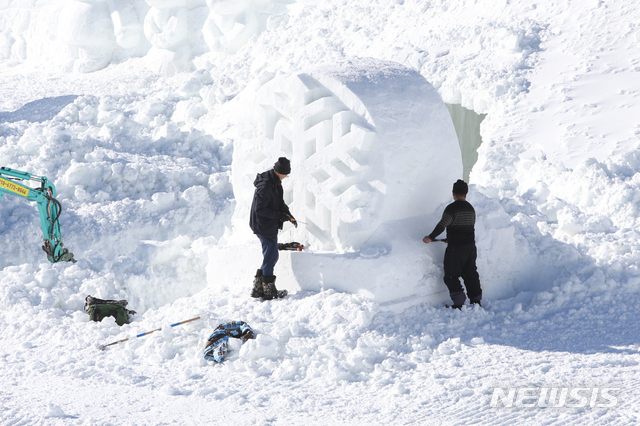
point(86, 27)
point(87, 35)
point(374, 154)
point(79, 35)
point(174, 29)
point(369, 142)
point(93, 30)
point(127, 27)
point(231, 23)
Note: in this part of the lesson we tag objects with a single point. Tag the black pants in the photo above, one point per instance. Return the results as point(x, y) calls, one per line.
point(460, 261)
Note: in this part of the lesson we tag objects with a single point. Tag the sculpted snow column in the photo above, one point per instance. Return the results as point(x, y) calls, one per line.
point(231, 23)
point(86, 27)
point(126, 25)
point(94, 30)
point(174, 28)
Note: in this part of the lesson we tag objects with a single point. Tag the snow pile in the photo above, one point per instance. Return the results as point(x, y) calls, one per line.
point(153, 209)
point(353, 211)
point(141, 198)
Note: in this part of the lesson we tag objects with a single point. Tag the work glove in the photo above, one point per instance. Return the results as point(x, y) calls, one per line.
point(286, 217)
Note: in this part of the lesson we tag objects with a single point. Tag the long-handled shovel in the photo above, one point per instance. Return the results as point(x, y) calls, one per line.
point(102, 347)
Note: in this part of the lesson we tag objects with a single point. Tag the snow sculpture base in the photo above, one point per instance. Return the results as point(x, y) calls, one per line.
point(371, 144)
point(402, 271)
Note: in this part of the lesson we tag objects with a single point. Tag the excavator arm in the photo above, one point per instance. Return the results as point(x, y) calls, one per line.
point(48, 207)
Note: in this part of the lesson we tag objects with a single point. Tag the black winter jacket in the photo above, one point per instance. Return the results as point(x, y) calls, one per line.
point(268, 204)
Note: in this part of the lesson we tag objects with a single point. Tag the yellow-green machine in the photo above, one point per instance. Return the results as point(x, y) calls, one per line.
point(48, 207)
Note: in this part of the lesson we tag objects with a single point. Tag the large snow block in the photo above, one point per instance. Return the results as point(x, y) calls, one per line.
point(369, 142)
point(372, 149)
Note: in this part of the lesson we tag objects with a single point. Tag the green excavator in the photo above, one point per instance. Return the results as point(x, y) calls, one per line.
point(48, 207)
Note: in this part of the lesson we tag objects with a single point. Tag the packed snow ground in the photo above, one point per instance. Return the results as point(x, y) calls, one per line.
point(141, 153)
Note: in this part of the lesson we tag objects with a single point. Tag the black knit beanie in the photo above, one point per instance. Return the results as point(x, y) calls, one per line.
point(460, 187)
point(282, 166)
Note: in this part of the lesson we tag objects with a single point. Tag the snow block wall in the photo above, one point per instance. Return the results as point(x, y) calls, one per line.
point(372, 149)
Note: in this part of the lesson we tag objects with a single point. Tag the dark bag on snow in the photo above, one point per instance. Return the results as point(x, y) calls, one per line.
point(217, 343)
point(99, 309)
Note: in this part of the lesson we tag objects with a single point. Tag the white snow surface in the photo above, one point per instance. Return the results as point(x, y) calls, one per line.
point(149, 115)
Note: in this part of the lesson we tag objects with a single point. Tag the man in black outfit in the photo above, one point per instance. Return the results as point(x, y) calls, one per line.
point(268, 213)
point(459, 219)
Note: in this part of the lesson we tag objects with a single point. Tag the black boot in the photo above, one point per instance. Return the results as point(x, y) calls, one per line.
point(475, 300)
point(458, 307)
point(458, 298)
point(270, 290)
point(257, 285)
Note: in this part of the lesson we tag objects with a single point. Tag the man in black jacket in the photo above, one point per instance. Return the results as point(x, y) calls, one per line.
point(459, 219)
point(268, 213)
